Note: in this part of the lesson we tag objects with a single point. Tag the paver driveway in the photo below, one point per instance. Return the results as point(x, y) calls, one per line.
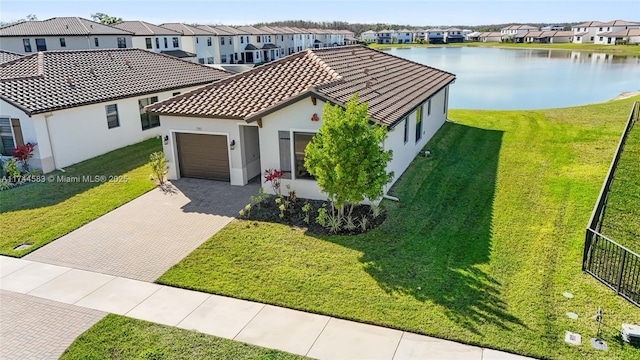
point(145, 237)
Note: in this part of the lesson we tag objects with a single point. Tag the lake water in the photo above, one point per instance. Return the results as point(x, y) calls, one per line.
point(489, 78)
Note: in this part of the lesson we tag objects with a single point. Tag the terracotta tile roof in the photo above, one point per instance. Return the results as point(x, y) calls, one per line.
point(54, 80)
point(60, 26)
point(620, 23)
point(6, 56)
point(187, 30)
point(215, 30)
point(490, 34)
point(392, 86)
point(623, 32)
point(142, 28)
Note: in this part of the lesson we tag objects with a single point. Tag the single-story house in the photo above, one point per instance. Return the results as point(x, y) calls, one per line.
point(490, 36)
point(80, 104)
point(628, 36)
point(235, 129)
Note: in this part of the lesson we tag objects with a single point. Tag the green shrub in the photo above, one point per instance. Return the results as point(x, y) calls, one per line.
point(11, 168)
point(158, 166)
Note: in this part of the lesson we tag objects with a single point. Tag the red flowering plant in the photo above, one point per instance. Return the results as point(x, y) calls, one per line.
point(274, 176)
point(23, 153)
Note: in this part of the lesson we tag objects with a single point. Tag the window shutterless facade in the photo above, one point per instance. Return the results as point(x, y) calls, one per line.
point(209, 41)
point(157, 43)
point(96, 41)
point(112, 116)
point(446, 100)
point(406, 130)
point(41, 45)
point(284, 145)
point(122, 43)
point(147, 120)
point(429, 108)
point(27, 45)
point(221, 40)
point(148, 43)
point(166, 43)
point(176, 42)
point(63, 42)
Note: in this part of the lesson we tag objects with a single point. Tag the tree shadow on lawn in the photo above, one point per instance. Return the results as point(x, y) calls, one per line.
point(434, 239)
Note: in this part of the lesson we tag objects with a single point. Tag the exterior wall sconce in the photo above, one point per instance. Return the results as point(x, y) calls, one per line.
point(166, 139)
point(232, 145)
point(314, 117)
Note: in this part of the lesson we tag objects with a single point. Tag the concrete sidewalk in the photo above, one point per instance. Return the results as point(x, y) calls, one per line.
point(297, 332)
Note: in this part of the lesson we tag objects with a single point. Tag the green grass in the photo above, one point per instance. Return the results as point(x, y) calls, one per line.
point(39, 213)
point(622, 50)
point(486, 237)
point(621, 222)
point(118, 337)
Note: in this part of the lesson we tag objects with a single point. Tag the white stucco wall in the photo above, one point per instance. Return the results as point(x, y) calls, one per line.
point(140, 42)
point(15, 44)
point(170, 125)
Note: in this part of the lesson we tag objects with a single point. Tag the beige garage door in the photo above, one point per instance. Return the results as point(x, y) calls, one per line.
point(203, 156)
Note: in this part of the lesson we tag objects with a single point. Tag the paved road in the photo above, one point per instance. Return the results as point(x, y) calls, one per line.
point(145, 237)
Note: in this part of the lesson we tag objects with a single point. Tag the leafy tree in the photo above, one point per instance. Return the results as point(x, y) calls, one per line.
point(105, 19)
point(32, 17)
point(346, 155)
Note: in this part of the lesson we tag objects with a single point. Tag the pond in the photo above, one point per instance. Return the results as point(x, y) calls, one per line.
point(517, 79)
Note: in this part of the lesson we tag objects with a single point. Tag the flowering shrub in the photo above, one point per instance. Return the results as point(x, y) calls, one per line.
point(23, 153)
point(274, 176)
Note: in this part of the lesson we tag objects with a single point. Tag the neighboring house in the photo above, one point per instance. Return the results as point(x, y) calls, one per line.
point(62, 33)
point(155, 38)
point(227, 43)
point(6, 56)
point(628, 36)
point(435, 36)
point(453, 35)
point(385, 36)
point(544, 37)
point(615, 30)
point(552, 28)
point(404, 36)
point(369, 36)
point(195, 40)
point(597, 32)
point(510, 32)
point(80, 104)
point(494, 36)
point(261, 45)
point(264, 118)
point(473, 36)
point(419, 35)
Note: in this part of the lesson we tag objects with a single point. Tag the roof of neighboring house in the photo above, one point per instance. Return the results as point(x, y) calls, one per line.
point(545, 34)
point(216, 30)
point(143, 28)
point(58, 26)
point(453, 29)
point(520, 27)
point(250, 47)
point(54, 80)
point(620, 23)
point(270, 46)
point(490, 34)
point(623, 32)
point(253, 30)
point(434, 30)
point(180, 54)
point(473, 34)
point(6, 56)
point(369, 32)
point(405, 31)
point(393, 87)
point(589, 24)
point(186, 30)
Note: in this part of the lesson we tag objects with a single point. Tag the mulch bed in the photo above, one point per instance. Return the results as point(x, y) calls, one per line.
point(268, 211)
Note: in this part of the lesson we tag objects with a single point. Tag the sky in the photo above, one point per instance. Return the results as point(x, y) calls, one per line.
point(415, 13)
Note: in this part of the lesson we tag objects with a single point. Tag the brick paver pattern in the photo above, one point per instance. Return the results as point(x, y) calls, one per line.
point(35, 328)
point(142, 239)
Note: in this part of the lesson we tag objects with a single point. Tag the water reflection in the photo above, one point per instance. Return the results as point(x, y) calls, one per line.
point(489, 78)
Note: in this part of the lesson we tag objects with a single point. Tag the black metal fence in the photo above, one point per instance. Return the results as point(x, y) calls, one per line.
point(611, 263)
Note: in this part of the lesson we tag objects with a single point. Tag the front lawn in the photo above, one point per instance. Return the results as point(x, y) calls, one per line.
point(486, 238)
point(118, 337)
point(621, 222)
point(38, 213)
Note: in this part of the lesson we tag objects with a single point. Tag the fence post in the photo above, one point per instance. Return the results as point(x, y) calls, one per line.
point(620, 272)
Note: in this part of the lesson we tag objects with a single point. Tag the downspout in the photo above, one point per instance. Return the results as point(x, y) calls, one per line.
point(53, 155)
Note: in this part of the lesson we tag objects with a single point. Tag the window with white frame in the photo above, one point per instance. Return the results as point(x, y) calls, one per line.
point(41, 44)
point(63, 42)
point(96, 41)
point(176, 42)
point(27, 45)
point(122, 43)
point(157, 43)
point(112, 116)
point(148, 43)
point(209, 41)
point(166, 43)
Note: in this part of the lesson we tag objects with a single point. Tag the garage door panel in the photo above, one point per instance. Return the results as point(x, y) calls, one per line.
point(203, 156)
